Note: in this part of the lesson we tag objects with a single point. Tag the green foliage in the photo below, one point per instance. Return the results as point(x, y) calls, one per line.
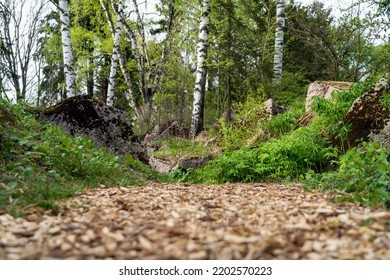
point(386, 100)
point(331, 113)
point(177, 148)
point(333, 110)
point(246, 125)
point(40, 164)
point(363, 175)
point(290, 156)
point(284, 123)
point(292, 91)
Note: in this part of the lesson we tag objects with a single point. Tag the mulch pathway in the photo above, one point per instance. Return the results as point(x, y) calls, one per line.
point(172, 221)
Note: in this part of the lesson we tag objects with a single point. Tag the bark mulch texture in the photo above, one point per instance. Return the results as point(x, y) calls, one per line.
point(168, 221)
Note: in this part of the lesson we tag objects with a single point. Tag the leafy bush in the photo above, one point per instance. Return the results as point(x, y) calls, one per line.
point(283, 123)
point(363, 174)
point(290, 156)
point(246, 125)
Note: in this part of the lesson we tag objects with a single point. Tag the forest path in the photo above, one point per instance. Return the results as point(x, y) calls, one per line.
point(171, 221)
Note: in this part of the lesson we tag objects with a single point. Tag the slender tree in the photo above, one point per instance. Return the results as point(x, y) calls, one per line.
point(115, 56)
point(67, 50)
point(201, 71)
point(19, 28)
point(279, 36)
point(121, 57)
point(228, 115)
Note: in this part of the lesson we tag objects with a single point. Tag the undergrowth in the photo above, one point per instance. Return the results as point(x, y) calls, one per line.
point(318, 155)
point(177, 148)
point(362, 176)
point(40, 164)
point(287, 157)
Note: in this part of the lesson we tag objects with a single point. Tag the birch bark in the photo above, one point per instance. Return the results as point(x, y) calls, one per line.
point(115, 56)
point(279, 36)
point(122, 60)
point(67, 51)
point(201, 71)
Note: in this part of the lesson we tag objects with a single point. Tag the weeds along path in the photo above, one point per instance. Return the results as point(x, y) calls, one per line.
point(231, 221)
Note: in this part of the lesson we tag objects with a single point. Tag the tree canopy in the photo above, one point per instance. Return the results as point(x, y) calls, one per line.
point(157, 52)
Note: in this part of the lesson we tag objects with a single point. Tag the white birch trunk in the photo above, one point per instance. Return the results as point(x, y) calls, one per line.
point(122, 62)
point(201, 72)
point(114, 59)
point(279, 34)
point(67, 48)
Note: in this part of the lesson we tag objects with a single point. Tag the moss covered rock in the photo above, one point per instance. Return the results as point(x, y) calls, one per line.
point(108, 127)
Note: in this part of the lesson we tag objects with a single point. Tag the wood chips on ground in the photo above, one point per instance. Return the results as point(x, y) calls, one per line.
point(168, 221)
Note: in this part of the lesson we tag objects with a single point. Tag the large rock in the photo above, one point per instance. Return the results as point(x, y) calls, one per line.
point(272, 108)
point(107, 126)
point(324, 89)
point(367, 115)
point(383, 138)
point(161, 165)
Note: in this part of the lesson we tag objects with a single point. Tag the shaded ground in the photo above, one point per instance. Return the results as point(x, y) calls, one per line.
point(231, 221)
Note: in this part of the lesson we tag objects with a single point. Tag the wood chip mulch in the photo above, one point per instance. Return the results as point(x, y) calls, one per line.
point(169, 221)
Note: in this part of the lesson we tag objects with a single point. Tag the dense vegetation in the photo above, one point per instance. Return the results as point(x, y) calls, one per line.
point(155, 85)
point(305, 154)
point(40, 164)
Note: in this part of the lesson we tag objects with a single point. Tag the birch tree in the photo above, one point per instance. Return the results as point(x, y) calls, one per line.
point(201, 71)
point(279, 36)
point(115, 55)
point(67, 50)
point(144, 84)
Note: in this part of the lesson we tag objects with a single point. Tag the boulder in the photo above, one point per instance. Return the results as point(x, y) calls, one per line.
point(383, 138)
point(272, 108)
point(324, 89)
point(107, 126)
point(367, 115)
point(160, 165)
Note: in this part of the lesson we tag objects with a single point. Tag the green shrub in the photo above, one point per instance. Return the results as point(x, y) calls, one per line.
point(246, 125)
point(290, 156)
point(283, 123)
point(363, 174)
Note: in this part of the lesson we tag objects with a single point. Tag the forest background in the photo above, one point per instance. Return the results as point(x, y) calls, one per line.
point(146, 64)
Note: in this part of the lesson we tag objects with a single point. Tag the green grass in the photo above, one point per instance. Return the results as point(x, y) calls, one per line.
point(178, 148)
point(318, 155)
point(40, 164)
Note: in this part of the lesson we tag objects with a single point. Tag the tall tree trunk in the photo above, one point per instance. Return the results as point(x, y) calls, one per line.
point(228, 116)
point(115, 51)
point(278, 58)
point(201, 72)
point(133, 97)
point(67, 48)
